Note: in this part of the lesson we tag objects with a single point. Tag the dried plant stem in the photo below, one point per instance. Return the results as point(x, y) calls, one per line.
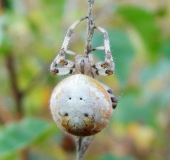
point(84, 142)
point(90, 27)
point(82, 145)
point(18, 95)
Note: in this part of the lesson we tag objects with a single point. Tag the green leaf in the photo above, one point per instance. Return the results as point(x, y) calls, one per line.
point(5, 39)
point(7, 4)
point(19, 135)
point(14, 156)
point(130, 108)
point(122, 52)
point(156, 76)
point(144, 22)
point(165, 48)
point(111, 157)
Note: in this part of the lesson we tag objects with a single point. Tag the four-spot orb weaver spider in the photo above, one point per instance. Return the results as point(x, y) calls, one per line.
point(80, 104)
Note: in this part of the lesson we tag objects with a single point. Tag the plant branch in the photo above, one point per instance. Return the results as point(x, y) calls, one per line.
point(18, 95)
point(84, 142)
point(90, 28)
point(5, 115)
point(13, 80)
point(82, 145)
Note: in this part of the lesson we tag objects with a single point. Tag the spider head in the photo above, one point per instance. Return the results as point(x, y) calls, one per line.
point(82, 65)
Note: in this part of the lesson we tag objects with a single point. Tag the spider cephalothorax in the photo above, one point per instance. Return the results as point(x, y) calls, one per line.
point(81, 105)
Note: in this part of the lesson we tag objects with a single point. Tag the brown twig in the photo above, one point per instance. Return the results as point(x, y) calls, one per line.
point(84, 142)
point(5, 115)
point(18, 95)
point(90, 27)
point(82, 145)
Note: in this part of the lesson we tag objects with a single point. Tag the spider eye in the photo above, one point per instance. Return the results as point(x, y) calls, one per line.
point(86, 115)
point(71, 71)
point(66, 114)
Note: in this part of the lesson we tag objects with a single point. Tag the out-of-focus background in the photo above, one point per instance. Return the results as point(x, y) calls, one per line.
point(31, 34)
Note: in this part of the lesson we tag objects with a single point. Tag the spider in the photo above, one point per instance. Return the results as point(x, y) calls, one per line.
point(85, 64)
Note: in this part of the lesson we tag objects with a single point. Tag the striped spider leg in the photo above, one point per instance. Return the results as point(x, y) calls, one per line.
point(60, 65)
point(107, 67)
point(112, 97)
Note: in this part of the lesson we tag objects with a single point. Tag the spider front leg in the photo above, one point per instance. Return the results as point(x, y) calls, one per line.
point(63, 70)
point(114, 100)
point(107, 67)
point(60, 65)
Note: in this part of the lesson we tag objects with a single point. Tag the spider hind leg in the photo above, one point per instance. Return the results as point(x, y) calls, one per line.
point(114, 100)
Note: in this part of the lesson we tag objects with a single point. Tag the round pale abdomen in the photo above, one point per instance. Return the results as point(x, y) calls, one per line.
point(80, 105)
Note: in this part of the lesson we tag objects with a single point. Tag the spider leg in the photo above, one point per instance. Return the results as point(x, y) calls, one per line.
point(112, 97)
point(61, 66)
point(107, 67)
point(68, 36)
point(98, 48)
point(60, 63)
point(63, 71)
point(71, 52)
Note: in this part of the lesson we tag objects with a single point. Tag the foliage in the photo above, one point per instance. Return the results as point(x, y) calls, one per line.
point(31, 34)
point(16, 136)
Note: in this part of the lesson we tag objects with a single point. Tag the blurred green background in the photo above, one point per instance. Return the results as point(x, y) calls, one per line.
point(31, 34)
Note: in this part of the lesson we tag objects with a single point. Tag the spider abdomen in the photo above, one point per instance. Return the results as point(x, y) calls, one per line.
point(80, 105)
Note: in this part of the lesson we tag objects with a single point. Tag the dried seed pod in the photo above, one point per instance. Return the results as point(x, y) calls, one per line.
point(80, 105)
